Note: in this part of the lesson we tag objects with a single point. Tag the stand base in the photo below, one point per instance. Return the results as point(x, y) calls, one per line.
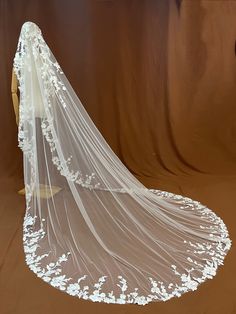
point(45, 191)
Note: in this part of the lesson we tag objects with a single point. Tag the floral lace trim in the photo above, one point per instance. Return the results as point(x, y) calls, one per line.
point(63, 166)
point(53, 272)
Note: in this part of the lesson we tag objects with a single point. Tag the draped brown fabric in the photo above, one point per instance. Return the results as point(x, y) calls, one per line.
point(158, 79)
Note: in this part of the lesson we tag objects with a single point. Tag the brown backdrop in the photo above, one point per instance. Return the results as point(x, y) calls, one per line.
point(158, 77)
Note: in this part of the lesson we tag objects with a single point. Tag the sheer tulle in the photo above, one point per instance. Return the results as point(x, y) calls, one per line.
point(91, 229)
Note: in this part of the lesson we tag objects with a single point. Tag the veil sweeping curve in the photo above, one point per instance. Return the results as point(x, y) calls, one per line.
point(91, 229)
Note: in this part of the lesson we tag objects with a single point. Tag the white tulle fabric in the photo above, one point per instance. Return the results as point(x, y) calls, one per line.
point(91, 229)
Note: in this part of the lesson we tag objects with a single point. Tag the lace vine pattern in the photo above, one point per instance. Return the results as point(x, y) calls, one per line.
point(61, 164)
point(53, 272)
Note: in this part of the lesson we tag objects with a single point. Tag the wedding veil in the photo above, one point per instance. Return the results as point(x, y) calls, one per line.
point(91, 229)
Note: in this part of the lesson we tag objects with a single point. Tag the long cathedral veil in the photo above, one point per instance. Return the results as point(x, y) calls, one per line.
point(91, 229)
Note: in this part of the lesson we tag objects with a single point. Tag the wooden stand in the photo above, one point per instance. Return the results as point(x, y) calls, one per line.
point(44, 191)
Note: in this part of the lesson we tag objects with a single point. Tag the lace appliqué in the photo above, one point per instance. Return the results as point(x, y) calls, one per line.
point(63, 166)
point(53, 272)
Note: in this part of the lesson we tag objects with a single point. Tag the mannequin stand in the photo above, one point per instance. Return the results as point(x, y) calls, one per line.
point(44, 191)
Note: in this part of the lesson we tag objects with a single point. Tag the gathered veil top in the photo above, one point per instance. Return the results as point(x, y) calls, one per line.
point(91, 229)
